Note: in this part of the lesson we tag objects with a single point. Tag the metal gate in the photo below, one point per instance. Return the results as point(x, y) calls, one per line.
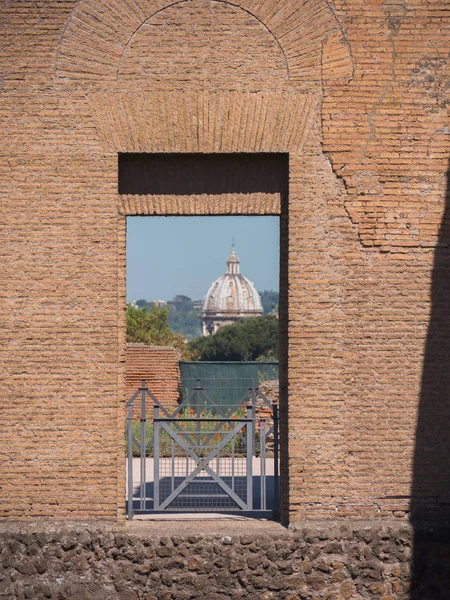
point(202, 457)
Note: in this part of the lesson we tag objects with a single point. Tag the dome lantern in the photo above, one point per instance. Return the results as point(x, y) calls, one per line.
point(233, 263)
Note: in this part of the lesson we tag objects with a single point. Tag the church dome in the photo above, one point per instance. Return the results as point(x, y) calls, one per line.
point(231, 297)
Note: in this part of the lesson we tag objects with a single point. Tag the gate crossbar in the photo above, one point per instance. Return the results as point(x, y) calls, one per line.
point(202, 463)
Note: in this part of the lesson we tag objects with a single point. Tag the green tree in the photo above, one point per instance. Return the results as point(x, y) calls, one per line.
point(152, 328)
point(246, 340)
point(269, 300)
point(186, 322)
point(142, 303)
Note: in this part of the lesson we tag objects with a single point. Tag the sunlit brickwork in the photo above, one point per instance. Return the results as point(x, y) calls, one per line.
point(356, 93)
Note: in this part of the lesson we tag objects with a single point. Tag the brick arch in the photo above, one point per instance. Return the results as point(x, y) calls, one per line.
point(99, 31)
point(167, 47)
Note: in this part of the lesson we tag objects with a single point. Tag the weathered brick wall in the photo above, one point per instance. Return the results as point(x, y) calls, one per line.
point(357, 96)
point(159, 367)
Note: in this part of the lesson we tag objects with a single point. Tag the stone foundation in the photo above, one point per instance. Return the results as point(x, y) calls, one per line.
point(217, 560)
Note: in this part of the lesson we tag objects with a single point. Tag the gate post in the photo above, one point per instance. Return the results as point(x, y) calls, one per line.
point(156, 457)
point(130, 462)
point(276, 479)
point(197, 410)
point(250, 438)
point(253, 393)
point(262, 461)
point(143, 446)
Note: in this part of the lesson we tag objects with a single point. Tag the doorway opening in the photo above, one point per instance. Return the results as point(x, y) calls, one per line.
point(203, 342)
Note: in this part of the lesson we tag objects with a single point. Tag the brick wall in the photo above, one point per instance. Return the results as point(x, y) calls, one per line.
point(159, 367)
point(357, 94)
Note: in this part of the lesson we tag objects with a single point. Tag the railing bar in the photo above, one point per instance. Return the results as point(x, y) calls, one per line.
point(249, 458)
point(156, 457)
point(261, 460)
point(130, 463)
point(263, 465)
point(133, 398)
point(156, 402)
point(180, 406)
point(181, 495)
point(263, 397)
point(222, 378)
point(210, 433)
point(216, 378)
point(244, 396)
point(197, 413)
point(220, 409)
point(253, 399)
point(173, 465)
point(229, 420)
point(269, 431)
point(232, 463)
point(276, 483)
point(143, 447)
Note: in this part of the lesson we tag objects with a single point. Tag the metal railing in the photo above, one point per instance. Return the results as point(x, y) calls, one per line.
point(202, 457)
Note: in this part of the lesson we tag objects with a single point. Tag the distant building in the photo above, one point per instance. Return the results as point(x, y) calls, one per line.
point(230, 298)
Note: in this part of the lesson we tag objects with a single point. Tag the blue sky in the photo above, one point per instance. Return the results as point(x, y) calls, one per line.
point(184, 255)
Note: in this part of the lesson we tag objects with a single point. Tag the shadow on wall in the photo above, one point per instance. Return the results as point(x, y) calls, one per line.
point(430, 497)
point(194, 174)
